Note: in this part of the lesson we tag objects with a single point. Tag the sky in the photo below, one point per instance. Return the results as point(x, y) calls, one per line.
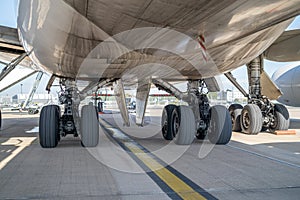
point(8, 18)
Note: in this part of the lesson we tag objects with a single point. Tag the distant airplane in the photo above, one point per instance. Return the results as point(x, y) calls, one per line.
point(89, 44)
point(288, 80)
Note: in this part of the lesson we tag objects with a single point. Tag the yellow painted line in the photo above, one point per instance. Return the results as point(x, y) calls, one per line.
point(21, 143)
point(175, 183)
point(181, 188)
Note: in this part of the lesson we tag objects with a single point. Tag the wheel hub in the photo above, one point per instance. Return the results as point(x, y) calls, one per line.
point(246, 119)
point(176, 124)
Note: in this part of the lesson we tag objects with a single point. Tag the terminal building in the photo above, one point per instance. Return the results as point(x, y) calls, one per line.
point(37, 98)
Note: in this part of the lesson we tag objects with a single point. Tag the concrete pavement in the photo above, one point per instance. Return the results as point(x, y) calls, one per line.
point(250, 167)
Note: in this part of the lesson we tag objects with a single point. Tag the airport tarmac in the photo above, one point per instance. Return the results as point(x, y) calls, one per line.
point(263, 166)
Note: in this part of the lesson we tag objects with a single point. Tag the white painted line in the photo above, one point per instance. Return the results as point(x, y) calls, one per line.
point(21, 143)
point(34, 130)
point(266, 157)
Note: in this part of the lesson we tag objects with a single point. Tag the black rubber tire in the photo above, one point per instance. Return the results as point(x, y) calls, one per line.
point(166, 125)
point(184, 132)
point(220, 127)
point(282, 118)
point(235, 111)
point(49, 126)
point(251, 119)
point(89, 126)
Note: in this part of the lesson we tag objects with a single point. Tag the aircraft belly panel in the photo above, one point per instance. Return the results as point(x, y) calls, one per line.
point(65, 38)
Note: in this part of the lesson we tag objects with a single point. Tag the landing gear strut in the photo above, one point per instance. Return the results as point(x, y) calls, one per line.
point(67, 123)
point(53, 126)
point(183, 123)
point(260, 114)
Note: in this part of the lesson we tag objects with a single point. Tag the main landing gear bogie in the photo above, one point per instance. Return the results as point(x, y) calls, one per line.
point(179, 124)
point(183, 123)
point(252, 119)
point(53, 126)
point(260, 114)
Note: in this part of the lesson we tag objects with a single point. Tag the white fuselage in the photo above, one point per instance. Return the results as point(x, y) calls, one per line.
point(66, 39)
point(287, 79)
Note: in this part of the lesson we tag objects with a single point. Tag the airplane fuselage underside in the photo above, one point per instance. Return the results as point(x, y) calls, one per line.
point(96, 43)
point(67, 36)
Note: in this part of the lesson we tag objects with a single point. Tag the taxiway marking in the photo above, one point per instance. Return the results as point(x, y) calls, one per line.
point(21, 143)
point(172, 182)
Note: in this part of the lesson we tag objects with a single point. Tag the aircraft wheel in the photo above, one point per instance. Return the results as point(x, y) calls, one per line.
point(235, 111)
point(89, 126)
point(49, 126)
point(166, 125)
point(220, 127)
point(251, 119)
point(282, 118)
point(183, 125)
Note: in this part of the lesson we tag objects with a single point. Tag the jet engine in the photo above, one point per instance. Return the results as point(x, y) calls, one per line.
point(288, 80)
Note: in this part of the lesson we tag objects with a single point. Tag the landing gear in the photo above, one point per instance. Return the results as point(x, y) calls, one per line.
point(89, 126)
point(205, 116)
point(260, 114)
point(67, 122)
point(183, 123)
point(53, 126)
point(213, 122)
point(49, 126)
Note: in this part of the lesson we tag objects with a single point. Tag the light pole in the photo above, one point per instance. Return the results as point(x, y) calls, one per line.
point(21, 88)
